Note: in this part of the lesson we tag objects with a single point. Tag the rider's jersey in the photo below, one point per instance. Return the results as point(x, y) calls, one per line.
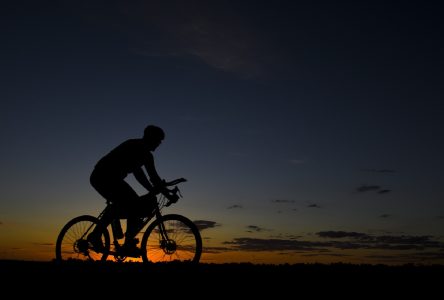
point(127, 158)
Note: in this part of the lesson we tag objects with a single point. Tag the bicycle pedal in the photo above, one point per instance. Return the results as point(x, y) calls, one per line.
point(128, 250)
point(132, 253)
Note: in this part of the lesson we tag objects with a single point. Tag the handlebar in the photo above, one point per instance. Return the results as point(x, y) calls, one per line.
point(175, 181)
point(171, 194)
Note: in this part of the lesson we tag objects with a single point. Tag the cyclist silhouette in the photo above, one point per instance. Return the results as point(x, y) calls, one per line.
point(108, 178)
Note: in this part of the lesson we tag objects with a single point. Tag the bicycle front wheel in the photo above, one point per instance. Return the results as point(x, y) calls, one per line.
point(72, 243)
point(173, 238)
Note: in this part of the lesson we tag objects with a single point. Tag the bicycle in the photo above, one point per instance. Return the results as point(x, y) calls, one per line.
point(168, 238)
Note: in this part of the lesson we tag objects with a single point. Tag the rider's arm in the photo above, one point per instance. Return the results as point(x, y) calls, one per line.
point(152, 173)
point(142, 179)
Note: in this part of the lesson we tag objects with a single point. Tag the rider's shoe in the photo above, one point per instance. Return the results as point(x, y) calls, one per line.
point(96, 241)
point(130, 248)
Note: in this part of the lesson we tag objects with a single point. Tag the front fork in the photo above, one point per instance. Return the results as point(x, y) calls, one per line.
point(168, 245)
point(162, 231)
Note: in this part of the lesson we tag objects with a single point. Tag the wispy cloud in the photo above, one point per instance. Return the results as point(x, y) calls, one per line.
point(385, 216)
point(343, 234)
point(215, 250)
point(235, 206)
point(216, 34)
point(314, 205)
point(379, 170)
point(280, 201)
point(372, 188)
point(366, 188)
point(332, 242)
point(254, 228)
point(386, 191)
point(252, 244)
point(204, 224)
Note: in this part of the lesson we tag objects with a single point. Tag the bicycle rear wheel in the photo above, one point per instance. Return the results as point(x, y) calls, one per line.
point(72, 241)
point(184, 243)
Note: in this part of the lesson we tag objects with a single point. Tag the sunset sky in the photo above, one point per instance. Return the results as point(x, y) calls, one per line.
point(309, 131)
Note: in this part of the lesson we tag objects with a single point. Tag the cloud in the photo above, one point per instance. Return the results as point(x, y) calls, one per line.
point(254, 228)
point(379, 170)
point(251, 244)
point(215, 250)
point(424, 240)
point(203, 224)
point(347, 241)
point(385, 216)
point(235, 206)
point(218, 35)
point(366, 188)
point(384, 191)
point(314, 205)
point(323, 253)
point(282, 201)
point(372, 188)
point(342, 234)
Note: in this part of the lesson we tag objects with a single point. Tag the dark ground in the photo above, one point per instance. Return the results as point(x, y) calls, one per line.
point(82, 279)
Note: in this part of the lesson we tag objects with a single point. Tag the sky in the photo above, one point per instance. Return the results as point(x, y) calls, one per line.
point(309, 131)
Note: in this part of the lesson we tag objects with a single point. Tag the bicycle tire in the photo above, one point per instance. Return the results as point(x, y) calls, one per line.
point(72, 244)
point(184, 245)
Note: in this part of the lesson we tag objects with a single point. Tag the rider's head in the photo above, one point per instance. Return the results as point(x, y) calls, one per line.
point(153, 136)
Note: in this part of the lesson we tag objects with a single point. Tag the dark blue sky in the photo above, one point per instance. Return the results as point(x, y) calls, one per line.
point(295, 118)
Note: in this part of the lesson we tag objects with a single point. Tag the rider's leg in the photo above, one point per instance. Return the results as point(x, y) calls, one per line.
point(107, 216)
point(127, 204)
point(104, 186)
point(123, 197)
point(95, 237)
point(133, 224)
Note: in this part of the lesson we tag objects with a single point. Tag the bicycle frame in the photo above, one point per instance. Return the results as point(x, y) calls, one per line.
point(157, 215)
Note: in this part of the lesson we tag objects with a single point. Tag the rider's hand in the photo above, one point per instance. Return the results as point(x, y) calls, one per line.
point(172, 197)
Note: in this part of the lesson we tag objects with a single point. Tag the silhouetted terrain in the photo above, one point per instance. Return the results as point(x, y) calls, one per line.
point(223, 279)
